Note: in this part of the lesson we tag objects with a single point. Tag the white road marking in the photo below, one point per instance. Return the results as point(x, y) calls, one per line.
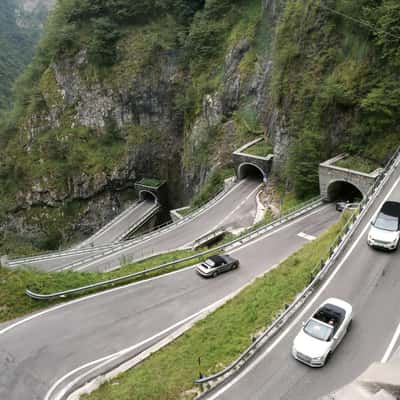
point(301, 314)
point(106, 292)
point(193, 316)
point(251, 194)
point(176, 225)
point(306, 236)
point(392, 343)
point(106, 359)
point(227, 217)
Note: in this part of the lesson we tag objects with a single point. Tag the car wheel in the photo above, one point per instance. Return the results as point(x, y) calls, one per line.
point(214, 275)
point(234, 266)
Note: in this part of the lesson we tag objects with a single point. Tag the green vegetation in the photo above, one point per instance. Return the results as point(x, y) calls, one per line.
point(213, 185)
point(336, 78)
point(261, 149)
point(169, 373)
point(14, 302)
point(121, 41)
point(358, 164)
point(341, 95)
point(17, 44)
point(152, 182)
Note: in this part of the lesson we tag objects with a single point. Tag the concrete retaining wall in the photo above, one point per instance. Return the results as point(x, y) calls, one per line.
point(329, 174)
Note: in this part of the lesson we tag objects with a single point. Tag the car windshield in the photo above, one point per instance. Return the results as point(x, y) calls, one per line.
point(209, 263)
point(386, 222)
point(318, 330)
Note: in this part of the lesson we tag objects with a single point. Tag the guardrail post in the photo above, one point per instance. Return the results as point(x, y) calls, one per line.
point(4, 261)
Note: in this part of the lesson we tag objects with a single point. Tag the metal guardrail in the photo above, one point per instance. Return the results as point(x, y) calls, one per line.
point(201, 241)
point(118, 218)
point(82, 248)
point(291, 214)
point(321, 270)
point(154, 232)
point(145, 235)
point(133, 227)
point(108, 249)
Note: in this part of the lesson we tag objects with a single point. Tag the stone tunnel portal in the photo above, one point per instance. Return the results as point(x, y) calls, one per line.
point(250, 170)
point(147, 195)
point(341, 190)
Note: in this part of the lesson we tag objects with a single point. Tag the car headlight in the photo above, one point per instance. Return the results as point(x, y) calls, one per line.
point(317, 359)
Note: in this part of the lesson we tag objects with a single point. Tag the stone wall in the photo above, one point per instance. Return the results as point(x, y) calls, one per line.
point(242, 159)
point(329, 174)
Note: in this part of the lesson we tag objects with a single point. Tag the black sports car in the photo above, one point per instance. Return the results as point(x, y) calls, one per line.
point(216, 265)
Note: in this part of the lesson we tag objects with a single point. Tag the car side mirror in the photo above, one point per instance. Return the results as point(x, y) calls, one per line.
point(303, 323)
point(335, 337)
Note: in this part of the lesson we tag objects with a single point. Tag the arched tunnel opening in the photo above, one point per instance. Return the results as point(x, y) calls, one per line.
point(145, 195)
point(344, 191)
point(252, 171)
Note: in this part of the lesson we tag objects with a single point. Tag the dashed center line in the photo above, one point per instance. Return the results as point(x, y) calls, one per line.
point(306, 236)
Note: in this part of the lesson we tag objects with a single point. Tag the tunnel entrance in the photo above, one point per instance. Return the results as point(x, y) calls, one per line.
point(341, 190)
point(249, 170)
point(146, 195)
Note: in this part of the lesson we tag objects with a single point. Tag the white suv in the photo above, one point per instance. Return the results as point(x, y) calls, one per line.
point(385, 229)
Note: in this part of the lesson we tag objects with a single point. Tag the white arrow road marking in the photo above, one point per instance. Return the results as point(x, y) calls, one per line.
point(306, 236)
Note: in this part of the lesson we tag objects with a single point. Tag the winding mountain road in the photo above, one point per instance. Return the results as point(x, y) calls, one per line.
point(370, 281)
point(236, 208)
point(43, 353)
point(122, 225)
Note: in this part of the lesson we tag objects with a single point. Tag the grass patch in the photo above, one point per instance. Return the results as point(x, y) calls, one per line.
point(151, 182)
point(261, 149)
point(186, 211)
point(357, 163)
point(169, 373)
point(14, 302)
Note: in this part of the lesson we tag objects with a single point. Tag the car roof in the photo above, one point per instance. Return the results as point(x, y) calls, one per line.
point(391, 208)
point(218, 260)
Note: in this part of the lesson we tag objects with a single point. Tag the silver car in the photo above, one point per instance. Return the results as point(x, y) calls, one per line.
point(216, 265)
point(323, 332)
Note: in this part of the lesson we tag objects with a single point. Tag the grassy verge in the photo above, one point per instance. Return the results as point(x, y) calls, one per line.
point(151, 182)
point(356, 163)
point(261, 149)
point(186, 211)
point(14, 302)
point(169, 373)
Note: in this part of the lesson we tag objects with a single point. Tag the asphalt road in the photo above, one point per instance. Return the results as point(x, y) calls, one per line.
point(121, 225)
point(39, 351)
point(98, 242)
point(370, 281)
point(238, 206)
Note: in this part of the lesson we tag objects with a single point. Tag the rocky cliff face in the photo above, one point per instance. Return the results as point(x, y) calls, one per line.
point(89, 133)
point(119, 94)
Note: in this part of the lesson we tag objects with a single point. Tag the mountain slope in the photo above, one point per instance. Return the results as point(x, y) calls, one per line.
point(168, 89)
point(21, 22)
